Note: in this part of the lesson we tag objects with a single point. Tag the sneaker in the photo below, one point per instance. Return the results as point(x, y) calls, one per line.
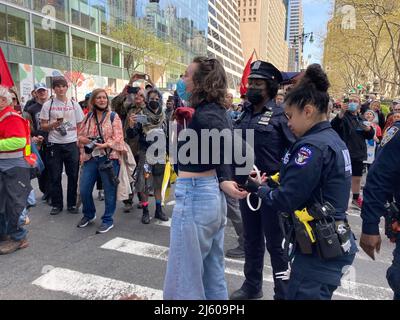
point(100, 195)
point(55, 210)
point(73, 210)
point(104, 228)
point(161, 215)
point(127, 207)
point(236, 253)
point(357, 203)
point(85, 221)
point(10, 246)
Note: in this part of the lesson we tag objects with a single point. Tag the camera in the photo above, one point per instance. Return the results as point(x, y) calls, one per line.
point(91, 145)
point(108, 167)
point(62, 130)
point(133, 90)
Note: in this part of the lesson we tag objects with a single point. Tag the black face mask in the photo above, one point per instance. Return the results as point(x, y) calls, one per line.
point(154, 105)
point(100, 109)
point(255, 96)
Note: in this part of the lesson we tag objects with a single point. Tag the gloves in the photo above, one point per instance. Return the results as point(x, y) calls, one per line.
point(251, 186)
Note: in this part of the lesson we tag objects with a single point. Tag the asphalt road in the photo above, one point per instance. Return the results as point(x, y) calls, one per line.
point(64, 262)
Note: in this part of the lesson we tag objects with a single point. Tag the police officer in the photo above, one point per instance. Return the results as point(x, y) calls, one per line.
point(383, 186)
point(272, 139)
point(316, 171)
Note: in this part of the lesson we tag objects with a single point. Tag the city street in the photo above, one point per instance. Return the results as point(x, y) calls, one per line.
point(64, 262)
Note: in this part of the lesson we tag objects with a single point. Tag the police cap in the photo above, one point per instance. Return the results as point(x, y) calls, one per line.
point(265, 70)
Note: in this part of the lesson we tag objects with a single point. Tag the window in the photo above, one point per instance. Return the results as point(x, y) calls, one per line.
point(91, 50)
point(54, 40)
point(105, 54)
point(250, 12)
point(115, 57)
point(254, 11)
point(78, 47)
point(3, 24)
point(17, 27)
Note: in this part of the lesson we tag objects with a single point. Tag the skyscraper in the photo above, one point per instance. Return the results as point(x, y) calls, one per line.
point(224, 41)
point(296, 26)
point(263, 28)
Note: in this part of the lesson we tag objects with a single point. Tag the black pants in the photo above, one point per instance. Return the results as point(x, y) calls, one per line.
point(57, 156)
point(15, 186)
point(261, 229)
point(44, 178)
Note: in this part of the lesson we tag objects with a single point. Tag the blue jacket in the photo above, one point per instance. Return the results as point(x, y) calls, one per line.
point(383, 181)
point(316, 169)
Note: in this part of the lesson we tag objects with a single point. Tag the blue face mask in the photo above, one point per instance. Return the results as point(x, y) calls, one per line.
point(353, 106)
point(181, 90)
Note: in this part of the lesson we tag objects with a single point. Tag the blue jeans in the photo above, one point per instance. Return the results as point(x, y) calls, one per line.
point(393, 273)
point(196, 264)
point(90, 172)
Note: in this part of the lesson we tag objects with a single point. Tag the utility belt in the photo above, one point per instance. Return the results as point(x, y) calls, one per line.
point(315, 228)
point(392, 221)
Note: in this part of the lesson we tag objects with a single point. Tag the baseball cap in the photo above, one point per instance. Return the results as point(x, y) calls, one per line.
point(39, 86)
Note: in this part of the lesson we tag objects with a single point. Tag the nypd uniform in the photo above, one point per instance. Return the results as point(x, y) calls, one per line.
point(272, 138)
point(383, 184)
point(317, 169)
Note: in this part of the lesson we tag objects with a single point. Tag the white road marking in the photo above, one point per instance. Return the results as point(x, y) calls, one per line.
point(353, 290)
point(92, 287)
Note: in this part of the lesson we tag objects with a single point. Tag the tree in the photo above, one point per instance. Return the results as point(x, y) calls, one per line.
point(76, 75)
point(368, 52)
point(142, 45)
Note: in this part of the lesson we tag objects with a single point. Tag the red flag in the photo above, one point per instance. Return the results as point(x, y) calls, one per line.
point(5, 75)
point(246, 73)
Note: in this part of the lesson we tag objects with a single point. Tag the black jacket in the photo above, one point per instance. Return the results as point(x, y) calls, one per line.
point(350, 130)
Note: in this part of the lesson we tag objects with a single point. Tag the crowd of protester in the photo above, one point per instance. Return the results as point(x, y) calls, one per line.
point(105, 142)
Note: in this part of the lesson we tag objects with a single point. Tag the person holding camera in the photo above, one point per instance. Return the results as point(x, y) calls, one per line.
point(101, 140)
point(351, 128)
point(149, 176)
point(131, 101)
point(61, 117)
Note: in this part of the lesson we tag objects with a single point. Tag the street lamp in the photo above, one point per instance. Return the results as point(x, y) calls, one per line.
point(303, 37)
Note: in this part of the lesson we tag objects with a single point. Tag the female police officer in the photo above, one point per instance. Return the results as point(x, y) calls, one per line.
point(316, 173)
point(272, 138)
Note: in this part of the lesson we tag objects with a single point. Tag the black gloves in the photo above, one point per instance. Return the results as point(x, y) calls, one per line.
point(251, 186)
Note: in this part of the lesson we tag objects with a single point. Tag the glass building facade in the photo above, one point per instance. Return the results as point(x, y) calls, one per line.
point(44, 38)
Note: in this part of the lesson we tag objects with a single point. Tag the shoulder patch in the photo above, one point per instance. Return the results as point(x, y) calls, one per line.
point(303, 156)
point(390, 133)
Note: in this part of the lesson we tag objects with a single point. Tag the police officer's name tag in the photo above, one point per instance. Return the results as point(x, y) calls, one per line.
point(389, 135)
point(264, 121)
point(266, 117)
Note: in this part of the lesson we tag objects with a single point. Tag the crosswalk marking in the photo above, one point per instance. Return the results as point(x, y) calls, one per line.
point(92, 287)
point(360, 255)
point(353, 290)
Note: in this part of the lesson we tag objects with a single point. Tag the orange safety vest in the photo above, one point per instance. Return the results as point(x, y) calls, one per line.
point(29, 157)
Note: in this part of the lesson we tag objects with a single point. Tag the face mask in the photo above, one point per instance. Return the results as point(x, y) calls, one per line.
point(353, 106)
point(255, 96)
point(154, 105)
point(100, 108)
point(181, 89)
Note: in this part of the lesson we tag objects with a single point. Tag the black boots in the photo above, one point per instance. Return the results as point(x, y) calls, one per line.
point(159, 214)
point(146, 215)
